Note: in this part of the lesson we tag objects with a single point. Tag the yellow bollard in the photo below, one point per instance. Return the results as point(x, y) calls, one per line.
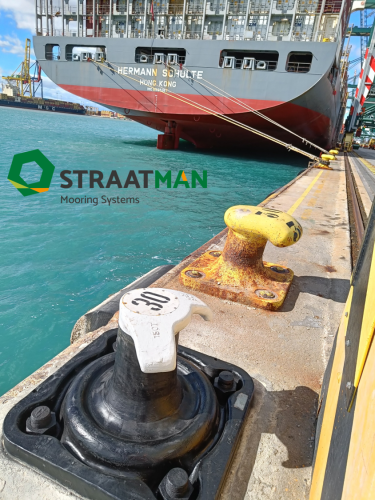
point(328, 157)
point(238, 273)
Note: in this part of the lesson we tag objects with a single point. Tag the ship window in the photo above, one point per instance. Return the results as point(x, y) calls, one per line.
point(52, 52)
point(153, 55)
point(250, 59)
point(85, 52)
point(299, 62)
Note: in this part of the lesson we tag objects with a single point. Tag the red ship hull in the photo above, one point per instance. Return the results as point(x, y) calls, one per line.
point(195, 118)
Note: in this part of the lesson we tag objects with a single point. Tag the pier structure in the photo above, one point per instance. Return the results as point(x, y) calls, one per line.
point(285, 351)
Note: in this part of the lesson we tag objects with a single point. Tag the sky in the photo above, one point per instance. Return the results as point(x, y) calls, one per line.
point(17, 23)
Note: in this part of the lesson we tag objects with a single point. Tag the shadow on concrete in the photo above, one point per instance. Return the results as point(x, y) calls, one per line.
point(335, 289)
point(291, 417)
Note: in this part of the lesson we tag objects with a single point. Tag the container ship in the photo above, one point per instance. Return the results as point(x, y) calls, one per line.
point(16, 101)
point(203, 70)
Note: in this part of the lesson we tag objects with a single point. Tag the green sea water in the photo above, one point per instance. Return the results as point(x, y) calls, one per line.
point(59, 260)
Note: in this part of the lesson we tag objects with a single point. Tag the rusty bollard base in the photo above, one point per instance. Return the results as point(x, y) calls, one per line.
point(204, 275)
point(322, 166)
point(238, 273)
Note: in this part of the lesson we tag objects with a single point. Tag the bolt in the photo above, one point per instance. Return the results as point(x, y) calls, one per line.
point(265, 294)
point(177, 483)
point(194, 274)
point(346, 314)
point(226, 380)
point(279, 269)
point(347, 343)
point(40, 417)
point(348, 385)
point(215, 254)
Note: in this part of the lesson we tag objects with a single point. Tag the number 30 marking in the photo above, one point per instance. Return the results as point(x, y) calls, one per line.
point(156, 300)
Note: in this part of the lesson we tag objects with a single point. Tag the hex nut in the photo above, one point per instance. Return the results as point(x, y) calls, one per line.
point(266, 294)
point(215, 253)
point(192, 273)
point(41, 421)
point(279, 269)
point(225, 382)
point(176, 485)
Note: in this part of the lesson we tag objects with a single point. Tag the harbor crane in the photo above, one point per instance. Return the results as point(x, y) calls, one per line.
point(21, 78)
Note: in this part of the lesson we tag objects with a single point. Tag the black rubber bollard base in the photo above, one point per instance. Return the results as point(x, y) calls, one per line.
point(75, 467)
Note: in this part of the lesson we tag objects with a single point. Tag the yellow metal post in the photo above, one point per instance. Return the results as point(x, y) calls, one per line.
point(26, 70)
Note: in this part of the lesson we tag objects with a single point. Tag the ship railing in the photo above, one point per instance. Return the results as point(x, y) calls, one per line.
point(215, 8)
point(309, 11)
point(280, 5)
point(149, 59)
point(298, 67)
point(71, 9)
point(152, 34)
point(257, 37)
point(218, 12)
point(260, 9)
point(173, 10)
point(119, 34)
point(70, 12)
point(332, 6)
point(194, 9)
point(159, 10)
point(302, 37)
point(138, 34)
point(102, 10)
point(321, 36)
point(193, 35)
point(41, 11)
point(237, 8)
point(56, 11)
point(172, 35)
point(137, 11)
point(135, 33)
point(59, 32)
point(176, 9)
point(52, 56)
point(120, 11)
point(102, 34)
point(236, 37)
point(212, 35)
point(119, 8)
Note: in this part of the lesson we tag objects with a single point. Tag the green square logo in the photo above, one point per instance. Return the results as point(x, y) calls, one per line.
point(18, 163)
